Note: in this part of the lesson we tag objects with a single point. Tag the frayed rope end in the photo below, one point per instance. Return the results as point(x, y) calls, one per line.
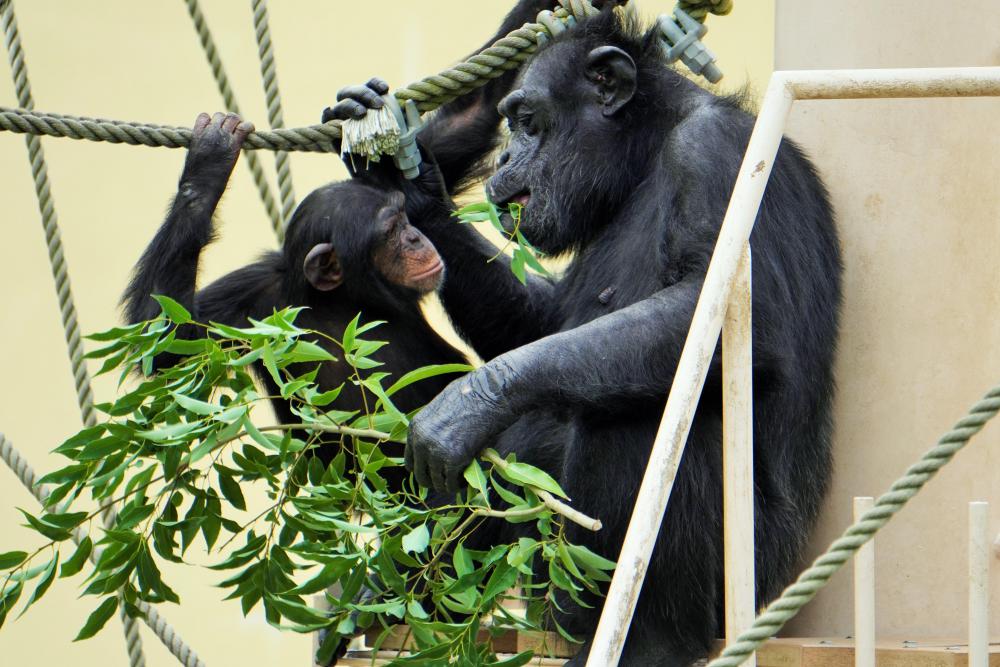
point(373, 135)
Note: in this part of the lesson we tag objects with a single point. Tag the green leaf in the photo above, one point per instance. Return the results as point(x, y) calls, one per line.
point(514, 661)
point(8, 599)
point(232, 492)
point(517, 266)
point(98, 618)
point(47, 529)
point(77, 560)
point(476, 478)
point(306, 351)
point(43, 585)
point(417, 539)
point(175, 311)
point(12, 559)
point(427, 372)
point(503, 578)
point(133, 515)
point(194, 405)
point(350, 331)
point(589, 559)
point(524, 474)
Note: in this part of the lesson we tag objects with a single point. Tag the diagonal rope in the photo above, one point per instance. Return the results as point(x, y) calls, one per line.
point(156, 623)
point(229, 99)
point(275, 117)
point(810, 582)
point(57, 260)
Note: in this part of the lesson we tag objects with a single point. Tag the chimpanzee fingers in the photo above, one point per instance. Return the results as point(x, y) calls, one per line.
point(230, 122)
point(408, 456)
point(453, 476)
point(420, 467)
point(217, 119)
point(362, 94)
point(242, 130)
point(346, 109)
point(378, 85)
point(201, 122)
point(439, 483)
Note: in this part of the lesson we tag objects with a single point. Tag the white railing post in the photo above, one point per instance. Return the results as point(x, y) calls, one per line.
point(979, 584)
point(737, 456)
point(703, 335)
point(864, 593)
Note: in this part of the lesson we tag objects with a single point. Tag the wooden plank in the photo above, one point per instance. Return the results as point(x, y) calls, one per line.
point(783, 652)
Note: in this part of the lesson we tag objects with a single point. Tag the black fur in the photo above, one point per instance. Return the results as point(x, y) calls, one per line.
point(639, 195)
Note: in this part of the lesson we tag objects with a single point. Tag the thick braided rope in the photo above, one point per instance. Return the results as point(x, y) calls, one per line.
point(843, 548)
point(156, 623)
point(229, 99)
point(275, 117)
point(314, 138)
point(700, 9)
point(507, 53)
point(60, 273)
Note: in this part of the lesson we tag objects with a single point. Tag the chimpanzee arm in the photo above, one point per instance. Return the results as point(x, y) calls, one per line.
point(622, 357)
point(169, 266)
point(489, 307)
point(463, 132)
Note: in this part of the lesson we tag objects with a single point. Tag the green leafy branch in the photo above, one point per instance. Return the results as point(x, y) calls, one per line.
point(523, 256)
point(180, 460)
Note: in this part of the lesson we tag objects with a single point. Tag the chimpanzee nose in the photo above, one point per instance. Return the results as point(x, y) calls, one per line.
point(503, 159)
point(413, 238)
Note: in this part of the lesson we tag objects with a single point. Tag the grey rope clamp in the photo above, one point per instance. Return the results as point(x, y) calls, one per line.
point(407, 158)
point(683, 36)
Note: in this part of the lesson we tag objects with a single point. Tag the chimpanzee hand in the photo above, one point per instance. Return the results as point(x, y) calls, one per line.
point(451, 431)
point(355, 101)
point(215, 146)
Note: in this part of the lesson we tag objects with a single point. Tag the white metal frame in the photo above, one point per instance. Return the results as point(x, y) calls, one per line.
point(725, 300)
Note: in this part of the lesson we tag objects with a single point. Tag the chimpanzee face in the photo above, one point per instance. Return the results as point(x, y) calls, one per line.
point(401, 253)
point(563, 151)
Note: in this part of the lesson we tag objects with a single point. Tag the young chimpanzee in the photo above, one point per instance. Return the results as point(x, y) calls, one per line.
point(349, 248)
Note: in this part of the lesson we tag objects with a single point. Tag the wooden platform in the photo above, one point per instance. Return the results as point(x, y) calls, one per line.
point(785, 652)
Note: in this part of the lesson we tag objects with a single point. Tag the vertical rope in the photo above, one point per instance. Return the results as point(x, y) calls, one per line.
point(57, 260)
point(229, 99)
point(156, 623)
point(275, 117)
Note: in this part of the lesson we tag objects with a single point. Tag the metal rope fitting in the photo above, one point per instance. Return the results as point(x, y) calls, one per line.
point(407, 158)
point(683, 36)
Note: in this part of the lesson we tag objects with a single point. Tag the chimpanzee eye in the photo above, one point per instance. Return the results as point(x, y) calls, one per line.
point(525, 120)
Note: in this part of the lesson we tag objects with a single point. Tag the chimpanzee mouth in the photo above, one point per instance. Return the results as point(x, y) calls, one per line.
point(520, 197)
point(518, 202)
point(431, 272)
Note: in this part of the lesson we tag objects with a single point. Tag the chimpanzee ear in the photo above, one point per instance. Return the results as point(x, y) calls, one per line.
point(322, 268)
point(612, 71)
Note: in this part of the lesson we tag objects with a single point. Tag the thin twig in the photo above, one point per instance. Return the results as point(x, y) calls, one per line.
point(550, 501)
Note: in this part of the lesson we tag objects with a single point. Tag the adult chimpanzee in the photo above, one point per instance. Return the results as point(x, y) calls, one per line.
point(630, 166)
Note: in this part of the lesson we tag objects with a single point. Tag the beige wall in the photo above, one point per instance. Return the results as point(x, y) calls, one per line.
point(916, 191)
point(141, 61)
